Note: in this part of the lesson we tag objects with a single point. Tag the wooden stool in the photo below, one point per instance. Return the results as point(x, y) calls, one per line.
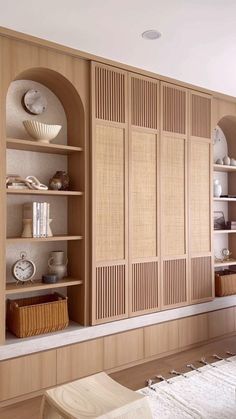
point(97, 396)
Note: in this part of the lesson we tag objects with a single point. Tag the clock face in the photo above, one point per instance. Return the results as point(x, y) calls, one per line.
point(23, 270)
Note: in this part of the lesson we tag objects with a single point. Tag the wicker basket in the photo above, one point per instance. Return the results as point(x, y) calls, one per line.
point(35, 315)
point(225, 283)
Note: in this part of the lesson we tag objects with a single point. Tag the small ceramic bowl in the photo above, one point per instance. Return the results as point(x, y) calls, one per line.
point(49, 279)
point(41, 132)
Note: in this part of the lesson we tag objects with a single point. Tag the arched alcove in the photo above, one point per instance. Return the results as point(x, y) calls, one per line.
point(228, 126)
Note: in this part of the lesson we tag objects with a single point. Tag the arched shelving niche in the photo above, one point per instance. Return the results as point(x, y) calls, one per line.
point(227, 177)
point(70, 233)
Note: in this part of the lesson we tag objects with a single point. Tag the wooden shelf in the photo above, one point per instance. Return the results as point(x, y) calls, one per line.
point(223, 168)
point(14, 240)
point(224, 231)
point(28, 145)
point(225, 199)
point(229, 263)
point(13, 288)
point(42, 192)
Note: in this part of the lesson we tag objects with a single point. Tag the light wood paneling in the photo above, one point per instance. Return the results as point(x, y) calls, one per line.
point(144, 287)
point(110, 197)
point(174, 108)
point(27, 374)
point(174, 284)
point(201, 278)
point(193, 330)
point(200, 116)
point(110, 292)
point(200, 197)
point(143, 194)
point(123, 348)
point(173, 196)
point(144, 102)
point(109, 94)
point(79, 360)
point(221, 322)
point(161, 338)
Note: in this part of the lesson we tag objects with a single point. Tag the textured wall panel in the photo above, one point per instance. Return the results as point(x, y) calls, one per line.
point(109, 94)
point(200, 217)
point(144, 194)
point(110, 193)
point(144, 286)
point(174, 282)
point(201, 116)
point(174, 110)
point(110, 292)
point(144, 103)
point(201, 278)
point(173, 196)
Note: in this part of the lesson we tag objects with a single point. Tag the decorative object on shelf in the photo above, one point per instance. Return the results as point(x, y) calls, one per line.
point(59, 181)
point(49, 232)
point(219, 220)
point(50, 279)
point(34, 183)
point(225, 282)
point(34, 102)
point(216, 135)
point(38, 212)
point(226, 254)
point(33, 316)
point(57, 264)
point(27, 228)
point(23, 269)
point(232, 162)
point(217, 188)
point(226, 160)
point(219, 161)
point(231, 225)
point(30, 182)
point(41, 132)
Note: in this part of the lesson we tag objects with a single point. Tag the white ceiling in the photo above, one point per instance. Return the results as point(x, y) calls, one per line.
point(198, 43)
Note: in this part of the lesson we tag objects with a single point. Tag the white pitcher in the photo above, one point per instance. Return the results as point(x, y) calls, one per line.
point(217, 188)
point(57, 265)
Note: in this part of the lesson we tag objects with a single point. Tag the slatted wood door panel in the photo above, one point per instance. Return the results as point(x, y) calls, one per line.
point(173, 109)
point(143, 196)
point(200, 207)
point(109, 194)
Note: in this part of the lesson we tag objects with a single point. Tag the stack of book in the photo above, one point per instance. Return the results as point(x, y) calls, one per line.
point(231, 225)
point(38, 212)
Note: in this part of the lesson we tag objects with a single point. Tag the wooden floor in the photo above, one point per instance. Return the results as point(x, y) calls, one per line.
point(135, 377)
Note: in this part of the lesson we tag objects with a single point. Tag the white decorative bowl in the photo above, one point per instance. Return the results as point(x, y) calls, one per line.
point(41, 132)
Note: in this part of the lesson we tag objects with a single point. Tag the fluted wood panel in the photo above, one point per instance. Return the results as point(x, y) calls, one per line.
point(173, 196)
point(144, 102)
point(110, 292)
point(144, 194)
point(109, 94)
point(200, 216)
point(173, 109)
point(200, 116)
point(144, 286)
point(110, 193)
point(201, 278)
point(174, 282)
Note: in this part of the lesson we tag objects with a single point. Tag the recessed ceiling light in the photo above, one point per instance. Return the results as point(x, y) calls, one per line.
point(151, 34)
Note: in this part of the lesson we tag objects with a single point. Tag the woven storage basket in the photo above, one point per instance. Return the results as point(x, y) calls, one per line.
point(225, 283)
point(35, 315)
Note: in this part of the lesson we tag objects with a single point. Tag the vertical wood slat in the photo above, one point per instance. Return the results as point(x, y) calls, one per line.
point(201, 278)
point(110, 292)
point(174, 109)
point(174, 282)
point(109, 94)
point(144, 286)
point(200, 116)
point(144, 103)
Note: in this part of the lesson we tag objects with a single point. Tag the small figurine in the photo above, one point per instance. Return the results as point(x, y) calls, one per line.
point(226, 254)
point(59, 181)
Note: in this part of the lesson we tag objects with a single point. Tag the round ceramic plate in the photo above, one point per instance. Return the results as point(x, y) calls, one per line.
point(34, 102)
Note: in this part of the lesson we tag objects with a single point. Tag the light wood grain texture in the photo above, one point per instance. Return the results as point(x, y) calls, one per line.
point(79, 360)
point(42, 192)
point(174, 105)
point(174, 283)
point(123, 348)
point(145, 287)
point(193, 330)
point(144, 98)
point(27, 374)
point(201, 278)
point(13, 288)
point(161, 338)
point(26, 145)
point(200, 116)
point(221, 322)
point(97, 396)
point(13, 240)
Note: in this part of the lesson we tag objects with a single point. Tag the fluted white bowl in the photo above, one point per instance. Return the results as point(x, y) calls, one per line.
point(41, 132)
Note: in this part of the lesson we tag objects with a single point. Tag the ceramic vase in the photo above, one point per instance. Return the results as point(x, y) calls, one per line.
point(57, 264)
point(226, 160)
point(217, 188)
